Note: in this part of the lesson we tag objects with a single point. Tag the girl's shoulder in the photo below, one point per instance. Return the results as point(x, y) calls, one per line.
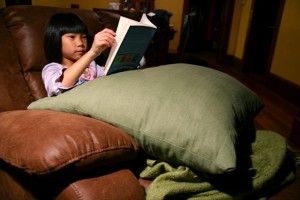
point(53, 65)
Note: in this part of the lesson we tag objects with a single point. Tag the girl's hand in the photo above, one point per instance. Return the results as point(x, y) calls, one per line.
point(102, 40)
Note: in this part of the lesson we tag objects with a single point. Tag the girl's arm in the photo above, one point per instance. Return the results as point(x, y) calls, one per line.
point(102, 40)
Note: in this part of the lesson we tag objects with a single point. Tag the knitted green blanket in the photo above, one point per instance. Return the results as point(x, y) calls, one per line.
point(256, 177)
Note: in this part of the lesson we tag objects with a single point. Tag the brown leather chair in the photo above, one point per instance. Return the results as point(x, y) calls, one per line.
point(42, 156)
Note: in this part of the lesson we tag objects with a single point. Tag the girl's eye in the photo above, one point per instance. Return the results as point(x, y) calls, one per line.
point(71, 36)
point(83, 36)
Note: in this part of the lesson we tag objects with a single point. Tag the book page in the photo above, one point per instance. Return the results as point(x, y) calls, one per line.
point(145, 20)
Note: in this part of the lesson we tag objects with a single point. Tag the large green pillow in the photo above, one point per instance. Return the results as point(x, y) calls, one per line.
point(180, 113)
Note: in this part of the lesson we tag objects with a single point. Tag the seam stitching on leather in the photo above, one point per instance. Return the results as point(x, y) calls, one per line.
point(78, 194)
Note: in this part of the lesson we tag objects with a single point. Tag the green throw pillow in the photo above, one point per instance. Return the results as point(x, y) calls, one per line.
point(179, 113)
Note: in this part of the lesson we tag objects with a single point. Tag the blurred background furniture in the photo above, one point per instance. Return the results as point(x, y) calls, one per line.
point(137, 5)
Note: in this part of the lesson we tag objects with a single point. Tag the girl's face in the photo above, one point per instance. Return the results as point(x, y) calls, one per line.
point(74, 45)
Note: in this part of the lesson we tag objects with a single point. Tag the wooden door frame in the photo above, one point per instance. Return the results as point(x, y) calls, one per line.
point(277, 84)
point(222, 56)
point(274, 39)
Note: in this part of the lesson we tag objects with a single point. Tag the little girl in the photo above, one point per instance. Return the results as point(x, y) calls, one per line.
point(71, 61)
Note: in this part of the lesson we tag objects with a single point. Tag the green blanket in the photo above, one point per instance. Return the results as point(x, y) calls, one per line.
point(259, 173)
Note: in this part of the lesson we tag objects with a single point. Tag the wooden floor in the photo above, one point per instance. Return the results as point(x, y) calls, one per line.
point(277, 115)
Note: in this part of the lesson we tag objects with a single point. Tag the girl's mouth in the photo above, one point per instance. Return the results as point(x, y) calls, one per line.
point(80, 52)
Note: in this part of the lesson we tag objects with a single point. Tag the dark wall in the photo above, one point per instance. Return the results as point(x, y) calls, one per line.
point(17, 2)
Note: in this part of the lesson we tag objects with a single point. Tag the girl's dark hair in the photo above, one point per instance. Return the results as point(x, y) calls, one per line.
point(58, 25)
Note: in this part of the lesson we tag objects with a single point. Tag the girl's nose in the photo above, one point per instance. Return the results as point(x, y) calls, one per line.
point(80, 42)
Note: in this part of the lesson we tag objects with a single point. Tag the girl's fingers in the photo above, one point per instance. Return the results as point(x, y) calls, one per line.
point(106, 30)
point(107, 36)
point(103, 39)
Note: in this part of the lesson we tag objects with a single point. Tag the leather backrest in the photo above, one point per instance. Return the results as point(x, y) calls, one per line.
point(26, 27)
point(14, 93)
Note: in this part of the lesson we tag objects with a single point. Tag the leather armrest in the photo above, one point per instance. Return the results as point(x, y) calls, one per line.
point(121, 184)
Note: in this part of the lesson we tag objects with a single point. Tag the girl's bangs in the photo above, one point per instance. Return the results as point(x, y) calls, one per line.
point(73, 28)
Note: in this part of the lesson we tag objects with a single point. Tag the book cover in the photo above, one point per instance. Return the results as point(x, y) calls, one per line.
point(132, 40)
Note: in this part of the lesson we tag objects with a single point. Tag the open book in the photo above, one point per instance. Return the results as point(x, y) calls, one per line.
point(132, 40)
